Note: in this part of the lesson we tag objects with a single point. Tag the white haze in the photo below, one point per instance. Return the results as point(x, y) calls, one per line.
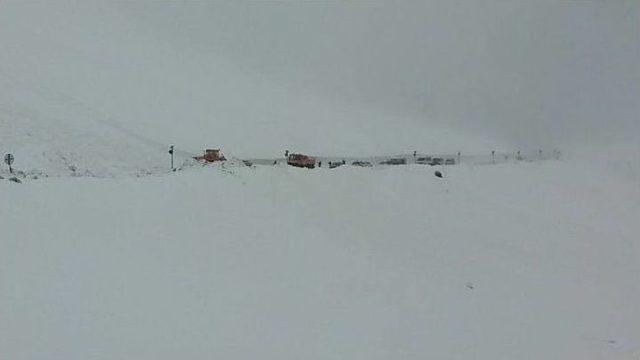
point(338, 77)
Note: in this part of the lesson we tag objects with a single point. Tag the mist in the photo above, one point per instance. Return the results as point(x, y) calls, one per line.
point(336, 77)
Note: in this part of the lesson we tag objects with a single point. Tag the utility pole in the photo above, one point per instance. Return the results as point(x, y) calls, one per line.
point(171, 152)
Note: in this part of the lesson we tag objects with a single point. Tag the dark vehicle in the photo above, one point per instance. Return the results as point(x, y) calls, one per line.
point(300, 160)
point(333, 165)
point(396, 161)
point(423, 160)
point(450, 161)
point(436, 161)
point(362, 163)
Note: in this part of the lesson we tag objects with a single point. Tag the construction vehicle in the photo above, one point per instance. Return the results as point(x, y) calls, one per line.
point(301, 160)
point(210, 156)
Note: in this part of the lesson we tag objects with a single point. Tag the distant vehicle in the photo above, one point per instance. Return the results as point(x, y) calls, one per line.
point(436, 161)
point(247, 163)
point(362, 163)
point(450, 161)
point(300, 160)
point(395, 161)
point(423, 160)
point(211, 155)
point(333, 165)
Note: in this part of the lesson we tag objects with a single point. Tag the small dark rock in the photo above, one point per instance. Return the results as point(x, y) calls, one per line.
point(470, 286)
point(438, 174)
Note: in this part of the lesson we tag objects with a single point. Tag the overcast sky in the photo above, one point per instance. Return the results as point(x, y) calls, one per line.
point(524, 73)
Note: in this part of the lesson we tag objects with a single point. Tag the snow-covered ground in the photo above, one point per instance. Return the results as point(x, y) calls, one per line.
point(513, 261)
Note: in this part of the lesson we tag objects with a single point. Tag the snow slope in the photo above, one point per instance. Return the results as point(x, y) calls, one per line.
point(53, 135)
point(513, 261)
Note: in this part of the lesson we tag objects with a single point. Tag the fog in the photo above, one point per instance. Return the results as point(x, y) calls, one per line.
point(331, 76)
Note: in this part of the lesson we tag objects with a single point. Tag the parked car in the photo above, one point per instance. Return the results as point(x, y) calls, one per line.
point(436, 161)
point(450, 161)
point(362, 163)
point(423, 160)
point(395, 161)
point(335, 164)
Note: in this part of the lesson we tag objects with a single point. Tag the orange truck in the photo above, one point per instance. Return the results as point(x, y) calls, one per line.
point(300, 160)
point(211, 155)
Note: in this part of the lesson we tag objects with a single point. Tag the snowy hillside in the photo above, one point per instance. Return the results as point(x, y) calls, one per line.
point(514, 261)
point(54, 135)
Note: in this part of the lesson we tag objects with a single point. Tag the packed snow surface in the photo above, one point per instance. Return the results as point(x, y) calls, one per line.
point(512, 261)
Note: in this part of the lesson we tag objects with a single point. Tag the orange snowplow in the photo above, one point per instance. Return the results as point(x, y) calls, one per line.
point(211, 155)
point(300, 160)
